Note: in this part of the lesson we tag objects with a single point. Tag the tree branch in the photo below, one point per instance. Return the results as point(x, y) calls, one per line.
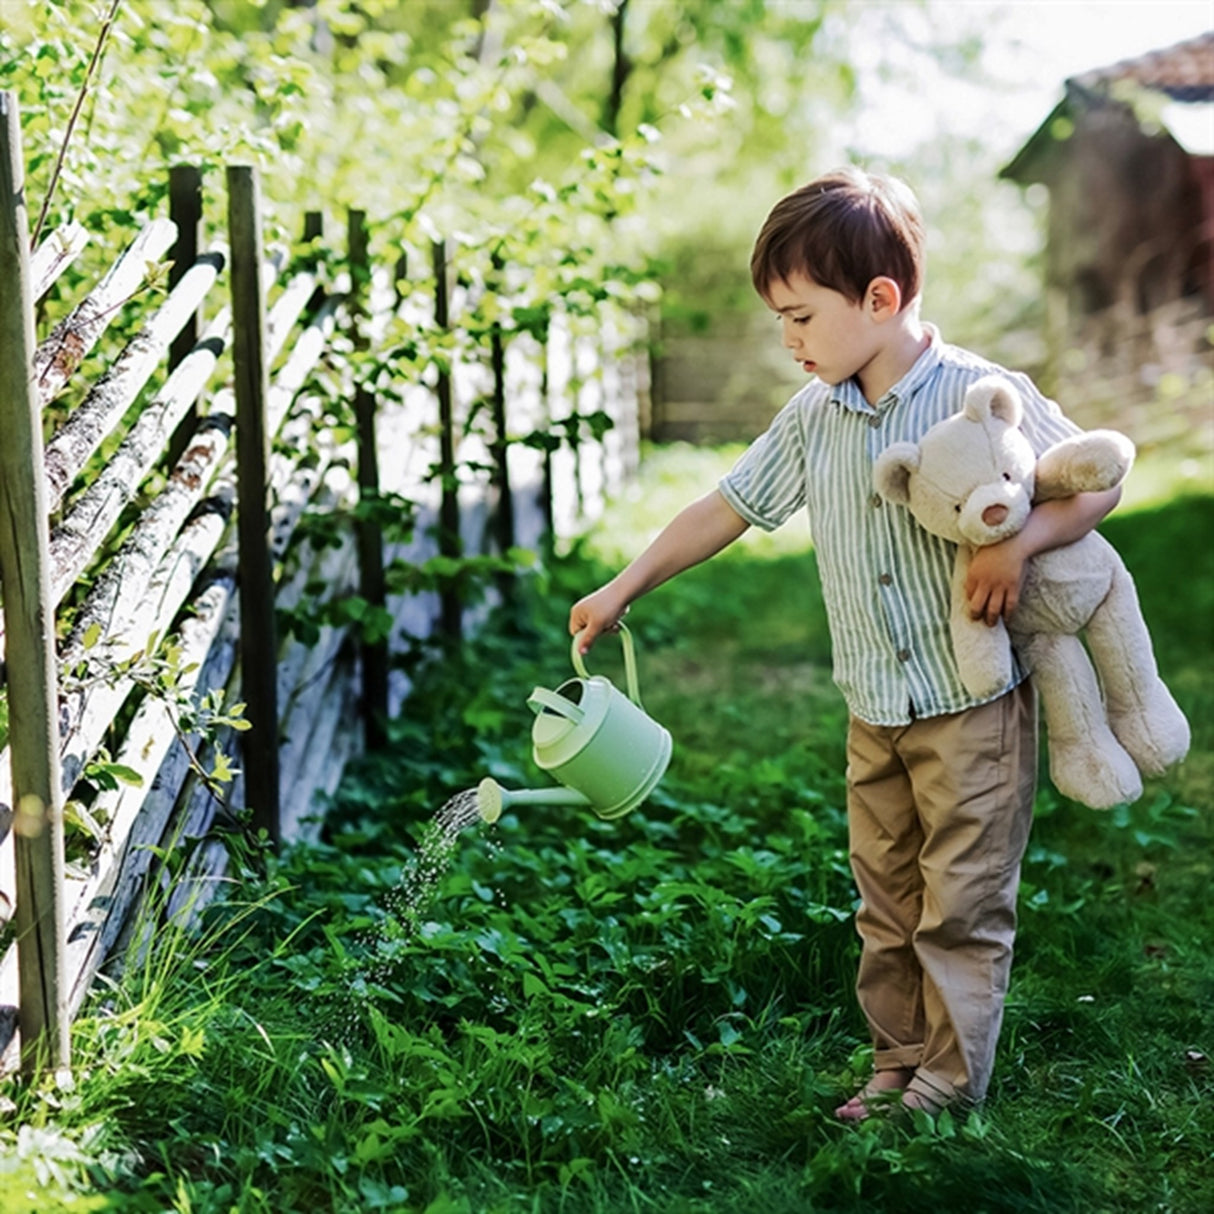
point(75, 116)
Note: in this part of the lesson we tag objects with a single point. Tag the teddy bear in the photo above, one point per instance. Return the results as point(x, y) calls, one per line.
point(972, 479)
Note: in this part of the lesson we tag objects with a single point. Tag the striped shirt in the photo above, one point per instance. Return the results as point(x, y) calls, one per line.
point(885, 580)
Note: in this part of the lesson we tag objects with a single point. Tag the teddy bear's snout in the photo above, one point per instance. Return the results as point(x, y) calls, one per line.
point(992, 513)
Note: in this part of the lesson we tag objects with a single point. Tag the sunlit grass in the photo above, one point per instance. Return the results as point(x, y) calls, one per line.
point(1159, 476)
point(671, 477)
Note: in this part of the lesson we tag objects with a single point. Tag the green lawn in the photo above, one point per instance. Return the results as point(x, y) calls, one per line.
point(655, 1014)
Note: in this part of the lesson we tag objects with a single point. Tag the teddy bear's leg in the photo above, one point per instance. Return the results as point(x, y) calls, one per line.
point(1142, 712)
point(1087, 763)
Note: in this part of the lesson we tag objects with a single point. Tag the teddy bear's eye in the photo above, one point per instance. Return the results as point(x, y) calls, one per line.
point(1007, 476)
point(957, 507)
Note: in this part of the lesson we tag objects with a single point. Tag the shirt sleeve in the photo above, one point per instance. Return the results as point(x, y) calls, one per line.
point(1044, 423)
point(767, 484)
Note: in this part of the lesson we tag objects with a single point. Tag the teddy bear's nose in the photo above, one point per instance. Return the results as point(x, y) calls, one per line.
point(992, 516)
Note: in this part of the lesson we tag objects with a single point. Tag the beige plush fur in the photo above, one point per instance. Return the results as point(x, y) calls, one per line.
point(973, 479)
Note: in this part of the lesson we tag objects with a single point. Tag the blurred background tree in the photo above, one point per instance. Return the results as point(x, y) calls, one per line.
point(447, 113)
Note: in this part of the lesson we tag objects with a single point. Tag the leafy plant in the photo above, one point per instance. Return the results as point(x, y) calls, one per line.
point(589, 1016)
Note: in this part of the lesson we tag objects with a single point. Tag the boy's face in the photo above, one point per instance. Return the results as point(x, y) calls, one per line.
point(830, 336)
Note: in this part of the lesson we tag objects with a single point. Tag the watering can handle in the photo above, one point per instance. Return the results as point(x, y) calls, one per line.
point(630, 662)
point(542, 698)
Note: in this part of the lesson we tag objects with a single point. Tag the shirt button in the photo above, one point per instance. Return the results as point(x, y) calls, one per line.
point(886, 579)
point(875, 501)
point(875, 420)
point(904, 655)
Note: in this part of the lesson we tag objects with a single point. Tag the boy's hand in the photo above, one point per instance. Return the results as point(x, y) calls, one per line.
point(996, 575)
point(694, 534)
point(596, 613)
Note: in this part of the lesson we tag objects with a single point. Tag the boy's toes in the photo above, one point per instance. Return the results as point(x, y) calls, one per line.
point(856, 1109)
point(882, 1090)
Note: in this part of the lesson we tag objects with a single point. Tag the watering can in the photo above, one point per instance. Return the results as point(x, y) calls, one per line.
point(607, 753)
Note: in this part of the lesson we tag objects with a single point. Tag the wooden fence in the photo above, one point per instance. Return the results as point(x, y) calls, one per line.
point(150, 544)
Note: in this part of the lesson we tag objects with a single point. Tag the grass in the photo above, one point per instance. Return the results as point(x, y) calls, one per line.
point(652, 1014)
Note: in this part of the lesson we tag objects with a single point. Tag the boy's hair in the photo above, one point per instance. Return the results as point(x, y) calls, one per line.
point(842, 231)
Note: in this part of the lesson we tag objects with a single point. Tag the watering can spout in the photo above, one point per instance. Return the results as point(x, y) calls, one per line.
point(492, 798)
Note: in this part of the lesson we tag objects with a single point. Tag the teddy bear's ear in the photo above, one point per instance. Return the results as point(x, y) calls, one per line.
point(993, 397)
point(892, 472)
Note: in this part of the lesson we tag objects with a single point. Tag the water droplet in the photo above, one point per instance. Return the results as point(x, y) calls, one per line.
point(379, 946)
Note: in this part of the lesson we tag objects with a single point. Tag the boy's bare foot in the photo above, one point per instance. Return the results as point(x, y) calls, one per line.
point(879, 1090)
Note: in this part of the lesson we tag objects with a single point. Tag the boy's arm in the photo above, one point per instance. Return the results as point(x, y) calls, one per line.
point(694, 534)
point(996, 573)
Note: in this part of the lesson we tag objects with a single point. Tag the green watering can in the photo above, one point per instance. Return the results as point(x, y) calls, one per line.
point(602, 746)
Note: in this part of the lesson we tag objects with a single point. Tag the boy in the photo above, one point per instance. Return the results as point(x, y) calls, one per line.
point(940, 788)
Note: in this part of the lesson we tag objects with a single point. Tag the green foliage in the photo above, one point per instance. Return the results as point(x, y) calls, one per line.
point(402, 119)
point(575, 1015)
point(374, 105)
point(585, 1016)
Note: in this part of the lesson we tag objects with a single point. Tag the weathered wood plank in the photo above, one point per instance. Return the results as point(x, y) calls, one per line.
point(124, 582)
point(310, 671)
point(31, 673)
point(333, 734)
point(110, 397)
point(88, 711)
point(55, 254)
point(153, 824)
point(92, 516)
point(73, 337)
point(203, 455)
point(299, 364)
point(105, 898)
point(287, 308)
point(76, 539)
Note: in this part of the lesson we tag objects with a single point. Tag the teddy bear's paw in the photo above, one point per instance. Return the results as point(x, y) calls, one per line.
point(1156, 734)
point(985, 685)
point(1099, 776)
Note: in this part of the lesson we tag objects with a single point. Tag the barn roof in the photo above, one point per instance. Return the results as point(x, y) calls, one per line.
point(1185, 72)
point(1182, 73)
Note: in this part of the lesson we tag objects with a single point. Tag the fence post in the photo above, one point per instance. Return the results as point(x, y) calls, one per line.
point(185, 210)
point(258, 640)
point(450, 615)
point(369, 534)
point(29, 619)
point(313, 227)
point(500, 448)
point(546, 486)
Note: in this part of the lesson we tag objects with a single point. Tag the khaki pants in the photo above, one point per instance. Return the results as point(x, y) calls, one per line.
point(939, 814)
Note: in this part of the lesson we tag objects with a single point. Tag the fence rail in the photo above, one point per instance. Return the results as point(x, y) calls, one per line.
point(160, 522)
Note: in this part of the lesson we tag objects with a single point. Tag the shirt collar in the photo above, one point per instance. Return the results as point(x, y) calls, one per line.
point(848, 394)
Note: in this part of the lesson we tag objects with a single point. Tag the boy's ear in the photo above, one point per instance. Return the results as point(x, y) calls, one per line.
point(883, 298)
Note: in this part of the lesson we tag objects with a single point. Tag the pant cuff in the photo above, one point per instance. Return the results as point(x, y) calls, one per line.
point(937, 1092)
point(903, 1057)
